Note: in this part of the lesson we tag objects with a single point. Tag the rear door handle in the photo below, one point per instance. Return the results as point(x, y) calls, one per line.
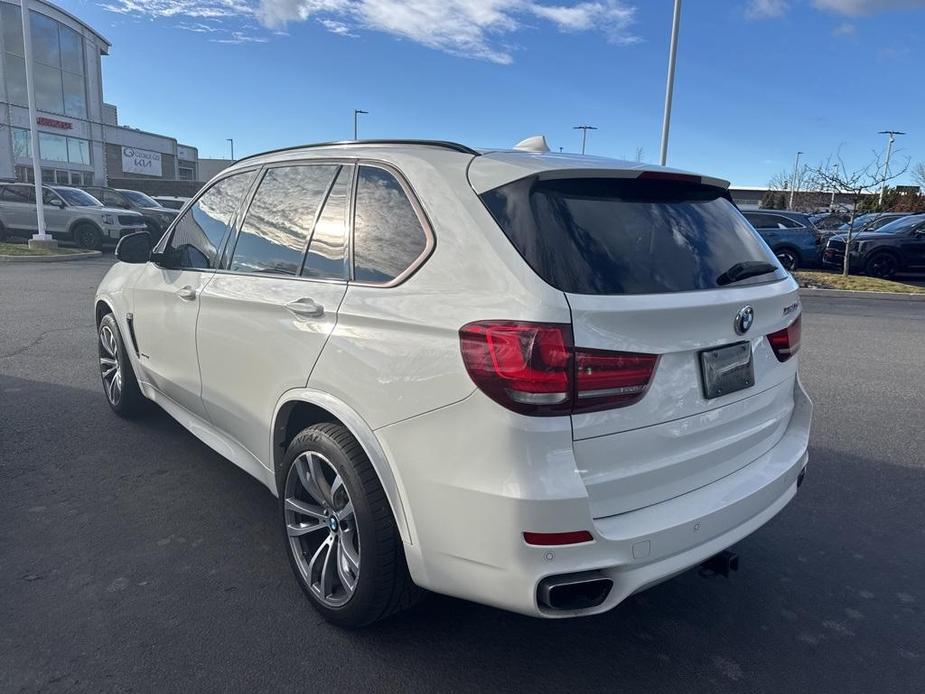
point(305, 308)
point(187, 293)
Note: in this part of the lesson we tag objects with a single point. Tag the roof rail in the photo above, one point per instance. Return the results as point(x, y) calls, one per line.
point(455, 146)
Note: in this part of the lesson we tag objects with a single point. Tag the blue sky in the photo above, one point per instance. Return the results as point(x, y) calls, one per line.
point(757, 80)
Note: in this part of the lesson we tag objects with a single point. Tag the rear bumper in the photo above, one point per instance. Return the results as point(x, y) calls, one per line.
point(471, 492)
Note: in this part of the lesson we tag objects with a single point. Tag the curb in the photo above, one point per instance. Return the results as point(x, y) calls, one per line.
point(49, 258)
point(849, 294)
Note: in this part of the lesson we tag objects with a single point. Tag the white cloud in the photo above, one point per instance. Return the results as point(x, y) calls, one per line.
point(238, 37)
point(859, 7)
point(765, 9)
point(336, 27)
point(468, 28)
point(845, 29)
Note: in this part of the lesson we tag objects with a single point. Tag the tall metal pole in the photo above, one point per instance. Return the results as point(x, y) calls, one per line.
point(669, 87)
point(793, 181)
point(356, 112)
point(834, 175)
point(584, 134)
point(231, 140)
point(33, 128)
point(889, 151)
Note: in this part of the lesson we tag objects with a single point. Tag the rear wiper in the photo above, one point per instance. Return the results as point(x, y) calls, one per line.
point(741, 271)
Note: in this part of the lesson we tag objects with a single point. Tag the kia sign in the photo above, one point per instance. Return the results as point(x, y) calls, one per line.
point(141, 161)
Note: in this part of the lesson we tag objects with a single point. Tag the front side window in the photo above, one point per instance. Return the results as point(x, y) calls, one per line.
point(388, 236)
point(627, 236)
point(280, 219)
point(199, 233)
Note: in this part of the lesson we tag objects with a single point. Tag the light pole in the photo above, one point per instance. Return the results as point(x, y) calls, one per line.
point(231, 140)
point(889, 151)
point(584, 134)
point(669, 87)
point(41, 236)
point(357, 112)
point(793, 181)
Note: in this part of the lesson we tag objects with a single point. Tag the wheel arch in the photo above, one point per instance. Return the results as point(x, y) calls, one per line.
point(303, 407)
point(100, 309)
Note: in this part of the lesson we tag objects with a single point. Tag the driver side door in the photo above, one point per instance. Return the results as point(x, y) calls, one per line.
point(166, 296)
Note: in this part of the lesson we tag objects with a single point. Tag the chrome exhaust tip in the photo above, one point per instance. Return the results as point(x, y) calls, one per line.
point(578, 591)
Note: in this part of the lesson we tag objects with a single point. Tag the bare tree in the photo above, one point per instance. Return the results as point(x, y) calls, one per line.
point(918, 174)
point(834, 175)
point(805, 198)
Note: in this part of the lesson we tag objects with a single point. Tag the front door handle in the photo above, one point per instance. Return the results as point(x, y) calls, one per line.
point(187, 293)
point(305, 308)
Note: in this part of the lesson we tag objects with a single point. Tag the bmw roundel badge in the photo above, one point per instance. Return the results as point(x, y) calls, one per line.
point(744, 319)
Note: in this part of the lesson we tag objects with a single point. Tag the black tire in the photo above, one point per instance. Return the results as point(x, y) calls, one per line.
point(2, 232)
point(88, 236)
point(383, 586)
point(883, 265)
point(789, 258)
point(125, 398)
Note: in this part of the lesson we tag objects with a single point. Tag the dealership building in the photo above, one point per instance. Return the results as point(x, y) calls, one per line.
point(80, 139)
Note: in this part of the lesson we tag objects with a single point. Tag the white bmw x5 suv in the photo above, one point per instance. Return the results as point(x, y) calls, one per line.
point(538, 381)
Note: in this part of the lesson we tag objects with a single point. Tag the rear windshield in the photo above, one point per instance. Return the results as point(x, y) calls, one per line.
point(625, 236)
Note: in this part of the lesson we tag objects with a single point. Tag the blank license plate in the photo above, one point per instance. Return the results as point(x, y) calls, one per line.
point(727, 369)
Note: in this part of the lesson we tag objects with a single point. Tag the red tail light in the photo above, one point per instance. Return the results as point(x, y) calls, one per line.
point(534, 368)
point(786, 342)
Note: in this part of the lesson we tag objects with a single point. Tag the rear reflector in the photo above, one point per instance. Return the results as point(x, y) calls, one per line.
point(569, 538)
point(786, 342)
point(534, 369)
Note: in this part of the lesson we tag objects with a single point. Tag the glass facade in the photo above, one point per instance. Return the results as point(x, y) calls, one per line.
point(73, 150)
point(58, 63)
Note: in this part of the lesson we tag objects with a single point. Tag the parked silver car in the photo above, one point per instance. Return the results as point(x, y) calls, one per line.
point(70, 215)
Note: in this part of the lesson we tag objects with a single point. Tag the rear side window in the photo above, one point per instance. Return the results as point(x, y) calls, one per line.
point(327, 252)
point(199, 233)
point(625, 236)
point(280, 219)
point(18, 194)
point(387, 234)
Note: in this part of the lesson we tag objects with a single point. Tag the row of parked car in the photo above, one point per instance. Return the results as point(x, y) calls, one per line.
point(90, 217)
point(882, 243)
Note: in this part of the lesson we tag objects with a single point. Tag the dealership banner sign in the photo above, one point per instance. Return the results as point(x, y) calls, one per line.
point(141, 161)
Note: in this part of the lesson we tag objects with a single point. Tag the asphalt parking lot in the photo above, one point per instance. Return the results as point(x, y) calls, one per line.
point(133, 558)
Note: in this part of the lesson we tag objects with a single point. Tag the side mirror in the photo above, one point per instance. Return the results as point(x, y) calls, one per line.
point(55, 202)
point(134, 248)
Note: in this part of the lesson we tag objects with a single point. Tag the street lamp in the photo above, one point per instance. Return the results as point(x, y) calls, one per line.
point(357, 112)
point(584, 134)
point(41, 236)
point(669, 87)
point(231, 140)
point(793, 181)
point(889, 151)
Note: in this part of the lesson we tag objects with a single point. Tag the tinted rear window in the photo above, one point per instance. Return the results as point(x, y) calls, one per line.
point(619, 236)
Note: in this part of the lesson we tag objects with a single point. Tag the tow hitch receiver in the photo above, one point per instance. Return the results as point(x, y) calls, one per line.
point(721, 564)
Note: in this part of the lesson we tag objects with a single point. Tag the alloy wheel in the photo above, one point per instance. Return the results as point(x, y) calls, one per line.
point(110, 365)
point(322, 529)
point(883, 265)
point(788, 260)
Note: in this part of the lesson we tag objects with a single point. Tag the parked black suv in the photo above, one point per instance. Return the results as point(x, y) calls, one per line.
point(791, 235)
point(157, 217)
point(895, 247)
